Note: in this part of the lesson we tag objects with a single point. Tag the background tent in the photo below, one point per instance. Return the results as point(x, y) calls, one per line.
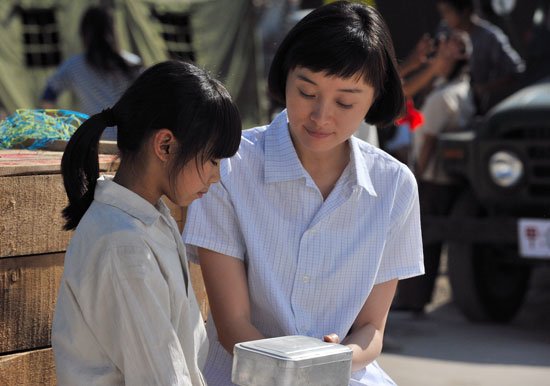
point(37, 35)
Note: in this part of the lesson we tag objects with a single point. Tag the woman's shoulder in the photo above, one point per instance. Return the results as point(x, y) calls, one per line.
point(254, 135)
point(252, 143)
point(249, 157)
point(73, 63)
point(382, 165)
point(377, 156)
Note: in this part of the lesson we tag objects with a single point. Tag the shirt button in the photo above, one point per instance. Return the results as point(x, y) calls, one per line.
point(305, 278)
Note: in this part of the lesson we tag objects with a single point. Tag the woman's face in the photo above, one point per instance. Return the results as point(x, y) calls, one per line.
point(324, 111)
point(194, 180)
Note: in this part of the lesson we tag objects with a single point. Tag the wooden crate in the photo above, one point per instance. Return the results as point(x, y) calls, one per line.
point(28, 291)
point(28, 368)
point(32, 246)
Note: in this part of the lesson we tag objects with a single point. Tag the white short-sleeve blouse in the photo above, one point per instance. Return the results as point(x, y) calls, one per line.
point(311, 263)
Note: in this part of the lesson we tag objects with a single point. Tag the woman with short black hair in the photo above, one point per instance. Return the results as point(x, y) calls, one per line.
point(311, 228)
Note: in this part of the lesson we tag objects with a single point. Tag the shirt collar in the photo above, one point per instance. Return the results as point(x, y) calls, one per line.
point(359, 164)
point(282, 162)
point(110, 193)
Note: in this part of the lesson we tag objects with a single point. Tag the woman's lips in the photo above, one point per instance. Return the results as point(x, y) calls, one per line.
point(317, 134)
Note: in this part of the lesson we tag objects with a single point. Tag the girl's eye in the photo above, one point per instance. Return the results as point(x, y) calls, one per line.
point(344, 106)
point(305, 95)
point(214, 162)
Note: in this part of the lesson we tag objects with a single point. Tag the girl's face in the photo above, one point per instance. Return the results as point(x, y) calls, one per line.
point(324, 111)
point(194, 180)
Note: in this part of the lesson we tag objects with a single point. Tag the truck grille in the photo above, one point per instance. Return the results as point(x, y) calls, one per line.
point(527, 133)
point(539, 163)
point(535, 144)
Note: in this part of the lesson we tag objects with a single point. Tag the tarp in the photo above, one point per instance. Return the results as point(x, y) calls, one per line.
point(222, 39)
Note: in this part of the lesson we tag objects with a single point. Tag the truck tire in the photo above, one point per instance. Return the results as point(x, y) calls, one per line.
point(486, 280)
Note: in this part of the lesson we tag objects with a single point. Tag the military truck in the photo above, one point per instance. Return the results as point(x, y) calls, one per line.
point(500, 225)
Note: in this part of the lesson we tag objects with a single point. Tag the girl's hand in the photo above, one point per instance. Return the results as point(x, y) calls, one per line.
point(331, 338)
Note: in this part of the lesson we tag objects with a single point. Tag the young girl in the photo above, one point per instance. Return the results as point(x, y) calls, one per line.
point(126, 312)
point(310, 227)
point(98, 76)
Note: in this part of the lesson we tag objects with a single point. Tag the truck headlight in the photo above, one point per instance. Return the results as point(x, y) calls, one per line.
point(505, 168)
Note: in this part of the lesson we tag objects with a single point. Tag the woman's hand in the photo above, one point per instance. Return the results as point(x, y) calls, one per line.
point(331, 338)
point(366, 336)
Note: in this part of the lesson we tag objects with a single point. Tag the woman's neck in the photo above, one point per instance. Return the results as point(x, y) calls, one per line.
point(326, 168)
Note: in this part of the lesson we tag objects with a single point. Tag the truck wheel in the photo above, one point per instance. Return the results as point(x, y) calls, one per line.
point(487, 282)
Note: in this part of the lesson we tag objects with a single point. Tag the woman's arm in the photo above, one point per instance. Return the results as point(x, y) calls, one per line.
point(418, 56)
point(427, 151)
point(227, 288)
point(367, 332)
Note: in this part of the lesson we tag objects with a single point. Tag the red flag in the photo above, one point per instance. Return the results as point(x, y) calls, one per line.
point(412, 116)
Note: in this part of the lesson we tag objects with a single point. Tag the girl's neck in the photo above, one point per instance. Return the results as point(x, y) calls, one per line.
point(136, 180)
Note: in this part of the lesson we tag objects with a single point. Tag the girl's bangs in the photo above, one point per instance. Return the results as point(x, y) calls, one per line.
point(225, 122)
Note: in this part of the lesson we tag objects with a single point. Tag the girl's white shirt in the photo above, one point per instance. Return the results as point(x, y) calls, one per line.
point(126, 312)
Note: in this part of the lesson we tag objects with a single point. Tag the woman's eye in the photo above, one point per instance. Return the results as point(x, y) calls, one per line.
point(344, 106)
point(214, 162)
point(305, 95)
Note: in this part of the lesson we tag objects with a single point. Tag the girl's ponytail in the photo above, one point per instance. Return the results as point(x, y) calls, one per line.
point(80, 166)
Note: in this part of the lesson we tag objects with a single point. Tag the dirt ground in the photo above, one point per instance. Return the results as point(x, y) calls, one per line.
point(442, 348)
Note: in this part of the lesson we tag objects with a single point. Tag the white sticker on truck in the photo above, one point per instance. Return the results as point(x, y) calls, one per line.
point(534, 238)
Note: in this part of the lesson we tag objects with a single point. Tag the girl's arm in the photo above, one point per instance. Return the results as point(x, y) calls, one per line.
point(367, 332)
point(227, 288)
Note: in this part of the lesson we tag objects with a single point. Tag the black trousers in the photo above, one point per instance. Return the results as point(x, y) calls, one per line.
point(414, 293)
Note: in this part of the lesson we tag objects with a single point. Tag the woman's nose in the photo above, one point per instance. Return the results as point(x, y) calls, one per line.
point(321, 113)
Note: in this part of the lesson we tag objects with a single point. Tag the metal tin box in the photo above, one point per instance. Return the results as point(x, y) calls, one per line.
point(291, 361)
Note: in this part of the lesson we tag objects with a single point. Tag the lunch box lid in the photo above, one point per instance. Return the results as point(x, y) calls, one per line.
point(295, 348)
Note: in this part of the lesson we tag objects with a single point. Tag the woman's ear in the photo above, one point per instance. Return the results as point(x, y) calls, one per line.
point(164, 144)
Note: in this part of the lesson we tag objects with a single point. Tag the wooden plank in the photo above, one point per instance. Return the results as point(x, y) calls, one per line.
point(105, 147)
point(22, 162)
point(31, 215)
point(28, 368)
point(28, 293)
